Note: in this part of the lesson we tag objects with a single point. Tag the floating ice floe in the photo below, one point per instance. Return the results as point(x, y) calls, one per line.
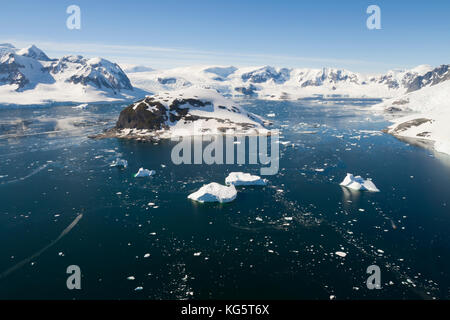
point(120, 163)
point(358, 183)
point(341, 254)
point(144, 173)
point(81, 106)
point(244, 179)
point(214, 192)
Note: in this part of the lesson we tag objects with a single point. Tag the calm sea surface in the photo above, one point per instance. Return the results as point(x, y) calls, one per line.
point(278, 241)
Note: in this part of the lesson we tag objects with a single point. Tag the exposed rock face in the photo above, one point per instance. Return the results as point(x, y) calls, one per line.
point(23, 71)
point(408, 124)
point(10, 72)
point(330, 76)
point(152, 115)
point(247, 91)
point(139, 117)
point(432, 78)
point(265, 74)
point(101, 73)
point(170, 80)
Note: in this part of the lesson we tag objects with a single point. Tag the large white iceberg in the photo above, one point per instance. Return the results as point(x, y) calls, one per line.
point(120, 163)
point(244, 179)
point(358, 183)
point(144, 173)
point(214, 192)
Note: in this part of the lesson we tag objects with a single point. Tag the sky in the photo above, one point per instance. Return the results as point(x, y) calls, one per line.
point(169, 33)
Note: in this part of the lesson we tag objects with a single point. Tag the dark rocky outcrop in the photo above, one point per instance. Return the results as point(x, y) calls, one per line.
point(247, 91)
point(10, 73)
point(169, 80)
point(408, 124)
point(432, 78)
point(138, 115)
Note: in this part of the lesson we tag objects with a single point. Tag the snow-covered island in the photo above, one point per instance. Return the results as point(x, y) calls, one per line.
point(186, 112)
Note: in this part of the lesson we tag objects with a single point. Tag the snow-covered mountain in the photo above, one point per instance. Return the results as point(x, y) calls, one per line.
point(29, 76)
point(427, 108)
point(283, 83)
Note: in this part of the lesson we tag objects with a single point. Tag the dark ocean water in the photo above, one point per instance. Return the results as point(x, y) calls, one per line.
point(276, 242)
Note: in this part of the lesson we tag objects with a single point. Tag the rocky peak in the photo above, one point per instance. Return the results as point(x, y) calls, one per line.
point(33, 52)
point(265, 74)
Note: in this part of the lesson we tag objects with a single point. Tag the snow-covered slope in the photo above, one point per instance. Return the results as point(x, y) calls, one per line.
point(186, 112)
point(282, 83)
point(428, 108)
point(29, 76)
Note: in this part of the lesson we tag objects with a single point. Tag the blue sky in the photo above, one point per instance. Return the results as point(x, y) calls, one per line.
point(294, 33)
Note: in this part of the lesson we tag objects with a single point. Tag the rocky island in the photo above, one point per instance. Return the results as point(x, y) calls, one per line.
point(185, 112)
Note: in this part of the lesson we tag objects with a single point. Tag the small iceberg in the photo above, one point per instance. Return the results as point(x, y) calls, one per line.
point(358, 183)
point(341, 254)
point(120, 163)
point(144, 173)
point(81, 106)
point(244, 179)
point(214, 192)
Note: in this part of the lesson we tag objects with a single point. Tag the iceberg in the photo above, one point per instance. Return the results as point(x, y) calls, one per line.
point(144, 173)
point(244, 179)
point(358, 183)
point(341, 254)
point(120, 163)
point(214, 192)
point(81, 106)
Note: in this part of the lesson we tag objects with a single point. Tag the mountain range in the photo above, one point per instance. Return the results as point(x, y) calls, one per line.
point(268, 82)
point(29, 76)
